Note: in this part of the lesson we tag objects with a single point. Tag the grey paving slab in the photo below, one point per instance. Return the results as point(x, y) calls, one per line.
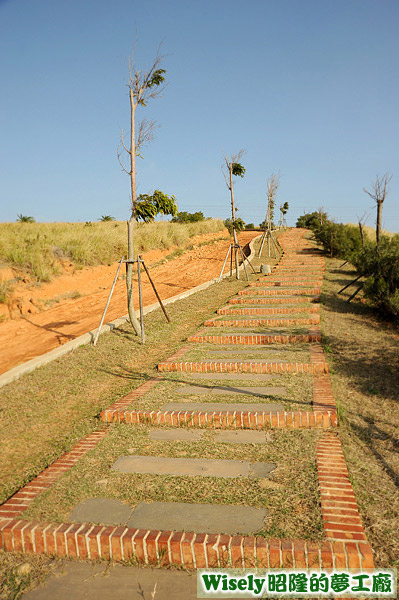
point(240, 437)
point(227, 389)
point(86, 581)
point(218, 406)
point(253, 391)
point(228, 437)
point(199, 518)
point(191, 466)
point(178, 435)
point(231, 376)
point(101, 510)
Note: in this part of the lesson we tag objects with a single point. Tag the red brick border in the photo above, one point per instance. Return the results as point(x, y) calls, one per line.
point(191, 550)
point(341, 518)
point(243, 367)
point(257, 322)
point(256, 339)
point(224, 419)
point(308, 292)
point(259, 300)
point(280, 283)
point(312, 308)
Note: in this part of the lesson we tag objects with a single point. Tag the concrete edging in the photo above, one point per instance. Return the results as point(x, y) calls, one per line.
point(87, 338)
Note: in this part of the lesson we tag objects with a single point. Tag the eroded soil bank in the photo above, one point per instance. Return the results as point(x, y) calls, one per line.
point(79, 298)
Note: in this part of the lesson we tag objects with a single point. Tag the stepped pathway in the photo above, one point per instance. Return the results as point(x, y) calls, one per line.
point(253, 340)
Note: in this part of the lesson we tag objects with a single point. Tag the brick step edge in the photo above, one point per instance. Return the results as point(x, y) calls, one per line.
point(256, 322)
point(258, 291)
point(224, 419)
point(255, 340)
point(247, 367)
point(258, 310)
point(191, 550)
point(281, 283)
point(341, 517)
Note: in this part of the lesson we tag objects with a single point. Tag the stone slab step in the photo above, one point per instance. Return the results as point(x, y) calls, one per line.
point(227, 389)
point(224, 437)
point(193, 467)
point(222, 406)
point(109, 581)
point(171, 516)
point(198, 518)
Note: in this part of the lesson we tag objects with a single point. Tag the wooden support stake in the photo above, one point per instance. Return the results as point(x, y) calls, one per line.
point(155, 290)
point(140, 301)
point(108, 301)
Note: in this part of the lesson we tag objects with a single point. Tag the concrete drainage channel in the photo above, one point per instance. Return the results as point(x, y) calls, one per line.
point(216, 415)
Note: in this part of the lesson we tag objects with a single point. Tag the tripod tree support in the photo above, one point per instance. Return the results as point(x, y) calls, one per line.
point(140, 301)
point(108, 301)
point(128, 262)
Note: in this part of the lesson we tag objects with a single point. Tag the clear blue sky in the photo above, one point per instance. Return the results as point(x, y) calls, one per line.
point(309, 88)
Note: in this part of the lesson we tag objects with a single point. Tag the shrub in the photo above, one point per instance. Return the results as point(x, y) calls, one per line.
point(186, 217)
point(339, 240)
point(237, 225)
point(312, 220)
point(380, 265)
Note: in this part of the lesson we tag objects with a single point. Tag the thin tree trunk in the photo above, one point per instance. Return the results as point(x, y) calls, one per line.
point(130, 224)
point(361, 233)
point(379, 218)
point(233, 218)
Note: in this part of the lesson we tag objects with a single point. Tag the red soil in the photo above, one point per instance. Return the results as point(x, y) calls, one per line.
point(33, 333)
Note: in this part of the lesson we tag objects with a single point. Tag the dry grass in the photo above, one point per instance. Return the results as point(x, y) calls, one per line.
point(364, 358)
point(39, 248)
point(370, 231)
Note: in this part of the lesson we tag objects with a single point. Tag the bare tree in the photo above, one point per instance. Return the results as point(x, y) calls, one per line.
point(379, 191)
point(273, 183)
point(232, 167)
point(143, 86)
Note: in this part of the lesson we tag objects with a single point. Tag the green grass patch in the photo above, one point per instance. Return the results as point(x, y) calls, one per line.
point(289, 494)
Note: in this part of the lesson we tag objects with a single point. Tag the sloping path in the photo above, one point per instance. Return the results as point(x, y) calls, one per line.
point(296, 281)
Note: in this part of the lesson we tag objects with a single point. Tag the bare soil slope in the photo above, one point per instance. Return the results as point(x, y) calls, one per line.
point(35, 333)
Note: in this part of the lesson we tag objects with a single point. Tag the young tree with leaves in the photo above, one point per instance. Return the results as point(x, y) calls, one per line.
point(143, 86)
point(233, 167)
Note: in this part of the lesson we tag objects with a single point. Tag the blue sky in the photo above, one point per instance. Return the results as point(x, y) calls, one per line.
point(307, 87)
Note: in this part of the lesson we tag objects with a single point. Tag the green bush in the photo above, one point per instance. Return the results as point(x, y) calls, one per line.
point(237, 225)
point(342, 241)
point(312, 220)
point(186, 217)
point(380, 265)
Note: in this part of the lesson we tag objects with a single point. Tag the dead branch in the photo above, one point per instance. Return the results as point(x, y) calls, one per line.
point(145, 133)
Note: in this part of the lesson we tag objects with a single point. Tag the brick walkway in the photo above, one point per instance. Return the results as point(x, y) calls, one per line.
point(295, 281)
